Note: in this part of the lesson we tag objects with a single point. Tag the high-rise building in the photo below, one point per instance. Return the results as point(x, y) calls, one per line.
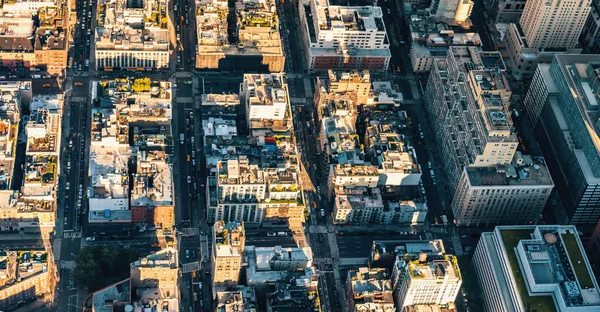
point(590, 35)
point(535, 268)
point(554, 24)
point(344, 37)
point(545, 29)
point(426, 279)
point(467, 101)
point(228, 243)
point(515, 193)
point(562, 105)
point(505, 11)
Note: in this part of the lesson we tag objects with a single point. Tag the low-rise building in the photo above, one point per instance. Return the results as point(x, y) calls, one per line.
point(357, 205)
point(159, 272)
point(272, 264)
point(253, 43)
point(520, 268)
point(344, 37)
point(369, 290)
point(504, 194)
point(131, 37)
point(241, 299)
point(301, 294)
point(25, 275)
point(265, 96)
point(352, 176)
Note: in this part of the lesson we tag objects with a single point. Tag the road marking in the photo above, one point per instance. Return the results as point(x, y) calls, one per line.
point(69, 265)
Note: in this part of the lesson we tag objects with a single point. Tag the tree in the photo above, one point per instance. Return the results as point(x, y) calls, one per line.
point(141, 85)
point(98, 267)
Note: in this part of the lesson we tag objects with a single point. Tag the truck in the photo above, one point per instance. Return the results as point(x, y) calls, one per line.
point(181, 138)
point(444, 220)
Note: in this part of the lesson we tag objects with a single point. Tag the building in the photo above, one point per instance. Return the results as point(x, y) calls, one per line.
point(369, 290)
point(357, 205)
point(133, 37)
point(50, 49)
point(219, 112)
point(242, 299)
point(506, 11)
point(431, 35)
point(353, 176)
point(158, 271)
point(358, 82)
point(272, 264)
point(265, 96)
point(253, 43)
point(387, 253)
point(505, 194)
point(128, 125)
point(344, 37)
point(543, 268)
point(592, 249)
point(467, 101)
point(409, 212)
point(426, 279)
point(537, 22)
point(537, 36)
point(590, 35)
point(560, 104)
point(301, 295)
point(228, 243)
point(26, 275)
point(452, 11)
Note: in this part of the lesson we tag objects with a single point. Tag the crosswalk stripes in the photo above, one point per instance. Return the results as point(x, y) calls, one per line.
point(190, 231)
point(69, 265)
point(189, 267)
point(72, 235)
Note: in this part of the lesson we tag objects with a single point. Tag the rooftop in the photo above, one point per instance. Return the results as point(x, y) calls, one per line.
point(242, 299)
point(348, 18)
point(166, 258)
point(153, 182)
point(371, 288)
point(50, 39)
point(229, 239)
point(532, 171)
point(256, 30)
point(132, 28)
point(43, 129)
point(348, 171)
point(549, 262)
point(16, 266)
point(265, 89)
point(434, 267)
point(301, 296)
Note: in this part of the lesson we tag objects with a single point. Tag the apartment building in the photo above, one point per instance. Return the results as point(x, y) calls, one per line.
point(590, 34)
point(357, 205)
point(228, 244)
point(452, 11)
point(383, 92)
point(288, 296)
point(240, 299)
point(253, 43)
point(265, 265)
point(131, 37)
point(358, 82)
point(265, 96)
point(370, 290)
point(158, 272)
point(128, 125)
point(344, 37)
point(219, 112)
point(431, 36)
point(505, 194)
point(26, 275)
point(426, 279)
point(353, 176)
point(520, 268)
point(12, 95)
point(387, 253)
point(545, 28)
point(467, 101)
point(152, 193)
point(560, 103)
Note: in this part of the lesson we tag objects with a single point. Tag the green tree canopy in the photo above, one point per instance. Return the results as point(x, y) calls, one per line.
point(141, 85)
point(98, 267)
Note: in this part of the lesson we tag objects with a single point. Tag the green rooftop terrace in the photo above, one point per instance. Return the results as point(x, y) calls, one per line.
point(511, 239)
point(574, 252)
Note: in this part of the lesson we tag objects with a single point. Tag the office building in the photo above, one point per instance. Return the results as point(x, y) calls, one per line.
point(561, 105)
point(344, 37)
point(514, 193)
point(252, 42)
point(545, 28)
point(426, 279)
point(505, 11)
point(228, 244)
point(130, 37)
point(590, 35)
point(26, 275)
point(542, 268)
point(369, 290)
point(467, 101)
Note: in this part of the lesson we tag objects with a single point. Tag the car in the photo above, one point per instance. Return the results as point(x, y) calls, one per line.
point(69, 165)
point(322, 212)
point(68, 186)
point(189, 179)
point(429, 164)
point(193, 254)
point(282, 234)
point(178, 37)
point(271, 234)
point(78, 83)
point(90, 239)
point(187, 253)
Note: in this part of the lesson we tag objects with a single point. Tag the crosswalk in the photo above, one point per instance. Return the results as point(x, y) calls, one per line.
point(72, 235)
point(189, 267)
point(190, 231)
point(69, 265)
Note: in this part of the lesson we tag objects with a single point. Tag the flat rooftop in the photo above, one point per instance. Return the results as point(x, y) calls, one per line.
point(534, 173)
point(549, 262)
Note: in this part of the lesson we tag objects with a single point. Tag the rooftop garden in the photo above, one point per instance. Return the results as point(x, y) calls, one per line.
point(511, 239)
point(577, 261)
